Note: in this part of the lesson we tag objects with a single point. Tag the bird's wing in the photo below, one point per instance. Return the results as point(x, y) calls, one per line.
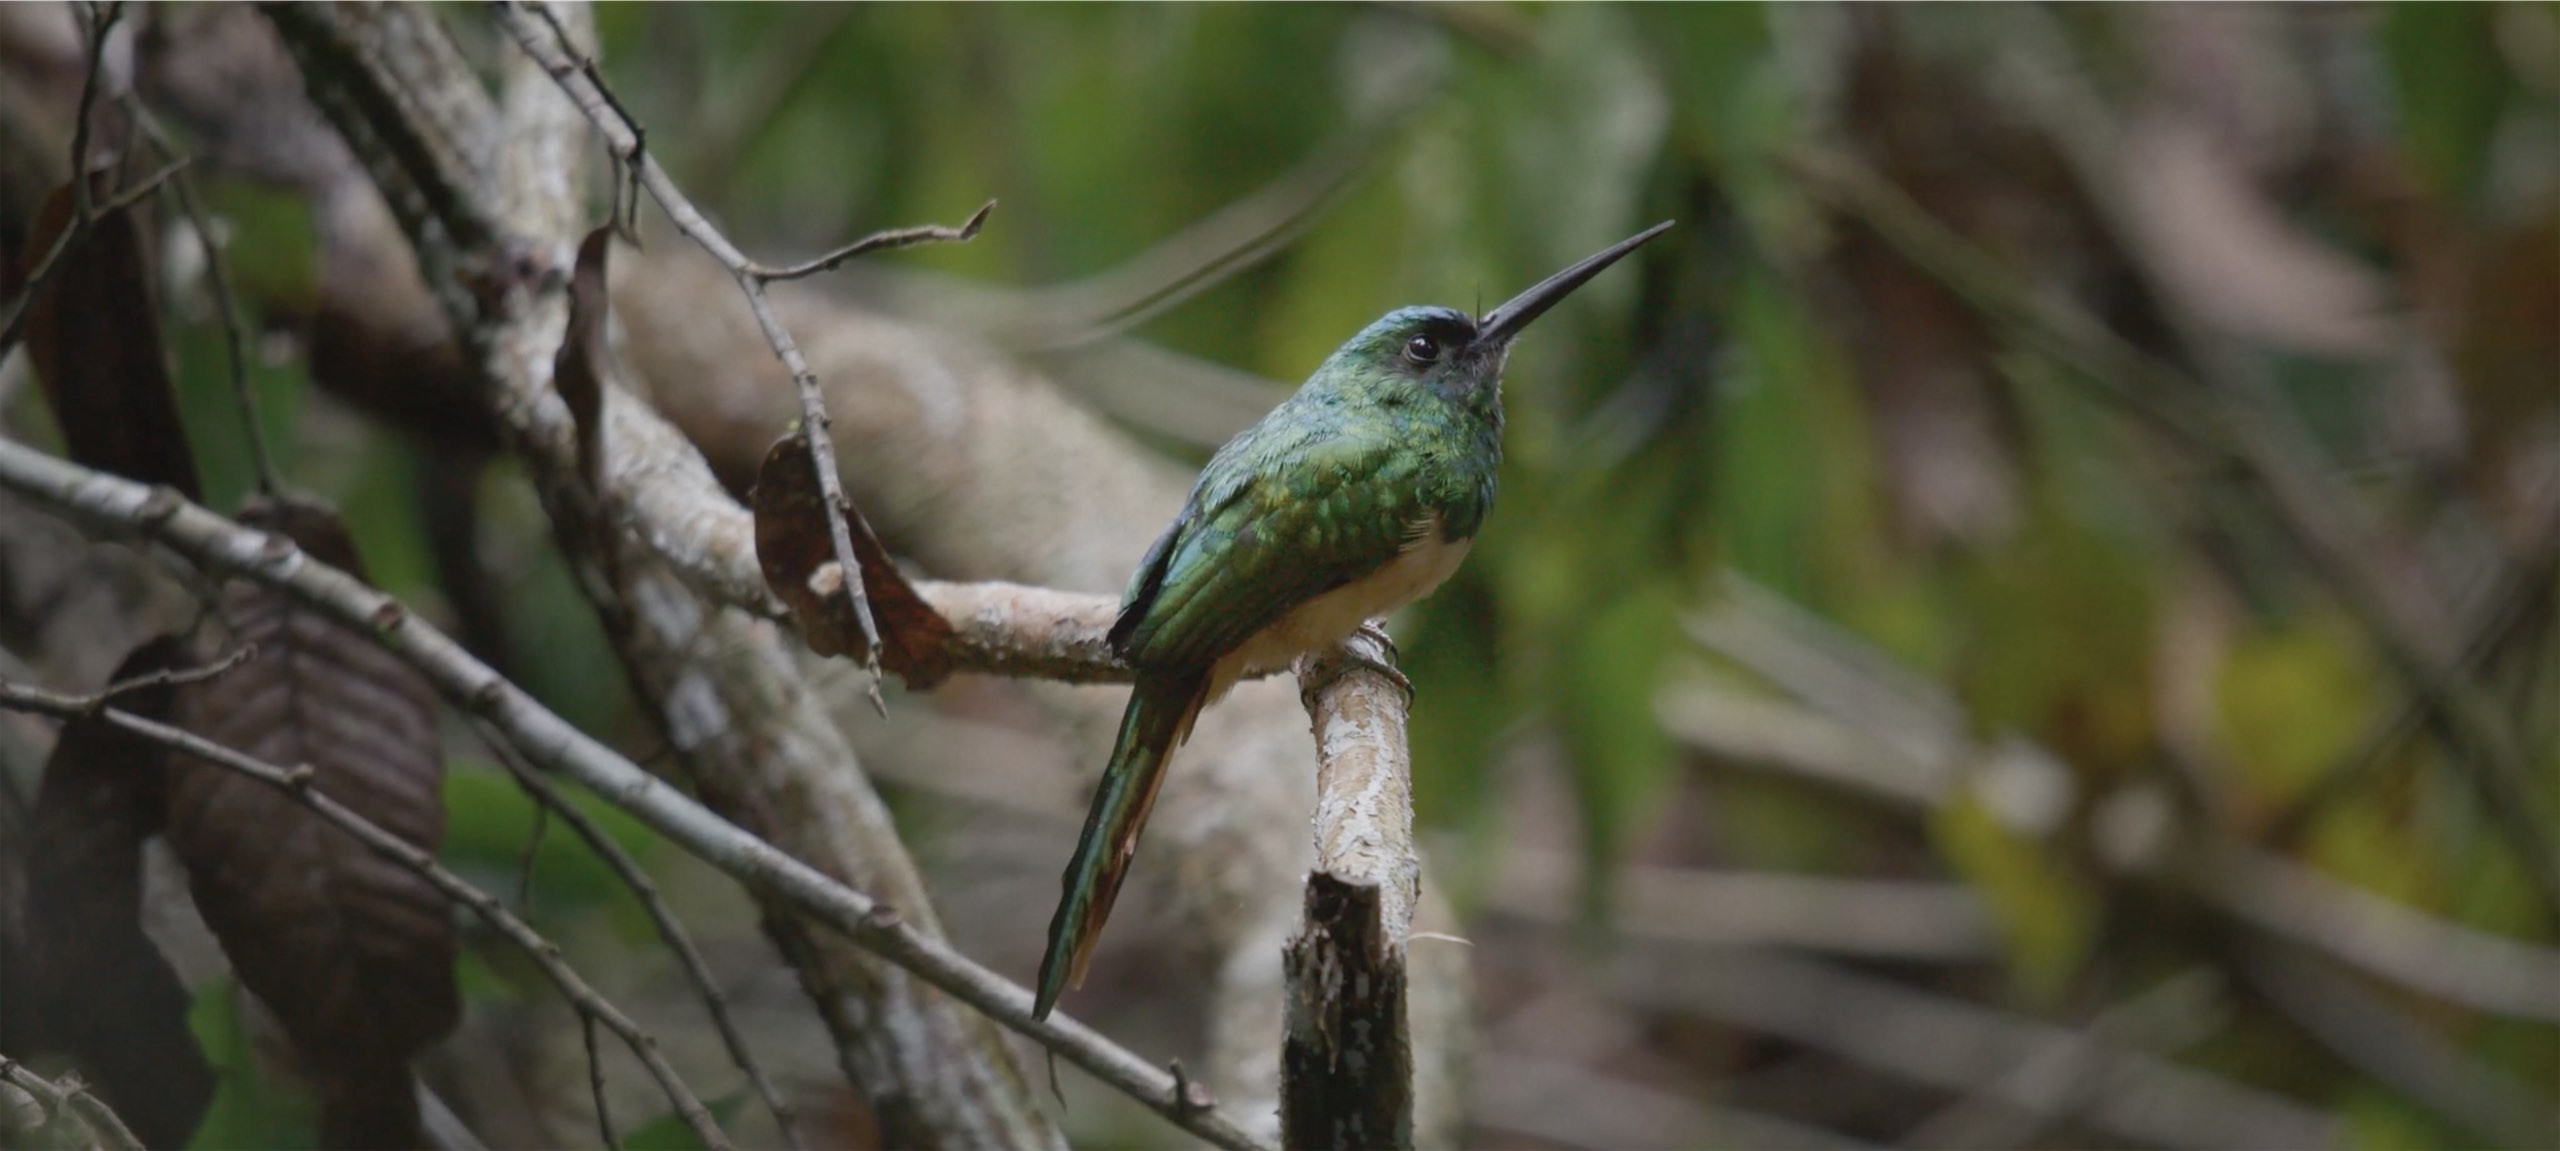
point(1269, 531)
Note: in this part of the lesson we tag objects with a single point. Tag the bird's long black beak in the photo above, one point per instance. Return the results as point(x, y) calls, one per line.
point(1501, 324)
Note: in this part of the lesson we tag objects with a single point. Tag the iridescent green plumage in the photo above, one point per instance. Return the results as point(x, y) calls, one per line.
point(1357, 495)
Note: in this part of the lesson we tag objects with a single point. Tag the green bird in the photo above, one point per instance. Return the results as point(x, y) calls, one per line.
point(1358, 495)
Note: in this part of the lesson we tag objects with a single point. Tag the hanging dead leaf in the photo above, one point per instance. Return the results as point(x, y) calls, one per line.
point(579, 369)
point(98, 989)
point(799, 564)
point(354, 953)
point(94, 337)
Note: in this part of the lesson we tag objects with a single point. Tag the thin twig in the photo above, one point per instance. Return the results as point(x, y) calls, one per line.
point(548, 799)
point(171, 677)
point(584, 84)
point(595, 1082)
point(217, 544)
point(296, 784)
point(226, 301)
point(531, 854)
point(626, 184)
point(102, 20)
point(2501, 619)
point(69, 1092)
point(883, 241)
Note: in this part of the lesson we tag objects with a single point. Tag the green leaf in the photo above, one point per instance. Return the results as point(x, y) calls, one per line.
point(2377, 1120)
point(2453, 87)
point(250, 1108)
point(1622, 762)
point(2046, 908)
point(1793, 491)
point(489, 819)
point(669, 1132)
point(2294, 701)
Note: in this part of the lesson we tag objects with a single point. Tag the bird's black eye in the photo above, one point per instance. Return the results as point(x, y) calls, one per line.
point(1422, 350)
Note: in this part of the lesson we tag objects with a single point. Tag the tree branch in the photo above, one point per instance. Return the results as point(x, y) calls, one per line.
point(987, 471)
point(102, 1121)
point(221, 547)
point(747, 728)
point(1347, 1059)
point(585, 86)
point(1963, 1047)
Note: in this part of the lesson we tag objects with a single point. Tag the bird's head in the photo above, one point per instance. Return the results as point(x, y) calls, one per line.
point(1455, 355)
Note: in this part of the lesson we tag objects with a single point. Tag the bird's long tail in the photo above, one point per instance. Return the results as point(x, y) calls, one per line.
point(1158, 720)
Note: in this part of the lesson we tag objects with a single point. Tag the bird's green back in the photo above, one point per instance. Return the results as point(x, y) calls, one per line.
point(1327, 488)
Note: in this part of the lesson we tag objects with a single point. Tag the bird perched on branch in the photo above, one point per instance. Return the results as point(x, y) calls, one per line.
point(1356, 496)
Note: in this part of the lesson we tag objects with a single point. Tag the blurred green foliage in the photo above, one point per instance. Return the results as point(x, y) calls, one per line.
point(1714, 408)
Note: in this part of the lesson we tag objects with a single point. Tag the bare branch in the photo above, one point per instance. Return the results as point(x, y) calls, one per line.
point(225, 301)
point(579, 78)
point(1346, 1062)
point(170, 677)
point(2179, 1012)
point(296, 784)
point(729, 697)
point(2449, 961)
point(70, 1092)
point(883, 241)
point(595, 1083)
point(696, 968)
point(1906, 920)
point(218, 545)
point(1963, 1047)
point(2399, 1048)
point(1563, 1102)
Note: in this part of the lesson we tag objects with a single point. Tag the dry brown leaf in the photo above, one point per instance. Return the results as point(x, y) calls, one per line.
point(579, 368)
point(353, 952)
point(94, 337)
point(800, 565)
point(98, 989)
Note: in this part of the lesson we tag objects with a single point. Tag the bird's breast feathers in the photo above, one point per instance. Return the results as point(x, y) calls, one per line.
point(1424, 563)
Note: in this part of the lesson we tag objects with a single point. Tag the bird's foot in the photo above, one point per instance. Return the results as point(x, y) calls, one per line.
point(1368, 647)
point(1385, 658)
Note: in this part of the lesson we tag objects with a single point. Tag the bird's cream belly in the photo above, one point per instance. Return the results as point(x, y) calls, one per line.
point(1320, 621)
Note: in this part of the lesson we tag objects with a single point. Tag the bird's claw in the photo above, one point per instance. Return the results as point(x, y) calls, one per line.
point(1354, 654)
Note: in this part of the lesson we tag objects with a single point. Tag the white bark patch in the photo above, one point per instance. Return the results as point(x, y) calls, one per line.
point(1364, 787)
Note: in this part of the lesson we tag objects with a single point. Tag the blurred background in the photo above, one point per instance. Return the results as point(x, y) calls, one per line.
point(2024, 621)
